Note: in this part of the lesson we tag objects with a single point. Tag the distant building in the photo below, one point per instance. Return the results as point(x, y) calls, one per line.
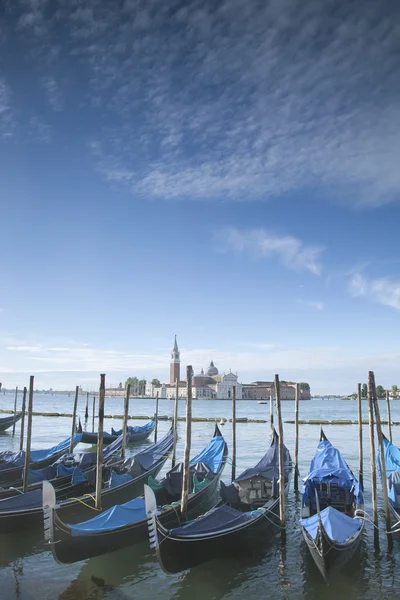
point(262, 390)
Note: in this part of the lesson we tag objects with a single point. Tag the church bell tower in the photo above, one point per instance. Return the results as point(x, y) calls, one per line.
point(175, 365)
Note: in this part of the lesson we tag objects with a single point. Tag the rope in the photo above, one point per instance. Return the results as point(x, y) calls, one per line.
point(174, 508)
point(85, 504)
point(265, 510)
point(16, 490)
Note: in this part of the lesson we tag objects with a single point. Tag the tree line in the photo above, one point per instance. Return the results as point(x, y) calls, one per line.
point(138, 386)
point(380, 391)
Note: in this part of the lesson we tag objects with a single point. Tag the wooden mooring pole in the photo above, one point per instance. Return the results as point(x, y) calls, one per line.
point(281, 457)
point(175, 423)
point(296, 439)
point(271, 414)
point(15, 408)
point(389, 416)
point(156, 429)
point(186, 456)
point(99, 463)
point(28, 434)
point(233, 432)
point(73, 430)
point(383, 463)
point(87, 407)
point(21, 442)
point(373, 464)
point(360, 434)
point(93, 412)
point(125, 423)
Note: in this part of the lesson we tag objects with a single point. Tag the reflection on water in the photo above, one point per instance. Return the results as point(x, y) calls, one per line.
point(28, 571)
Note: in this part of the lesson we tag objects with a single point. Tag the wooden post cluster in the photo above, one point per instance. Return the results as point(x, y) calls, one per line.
point(233, 432)
point(21, 442)
point(281, 456)
point(71, 444)
point(186, 456)
point(296, 440)
point(125, 423)
point(28, 434)
point(99, 464)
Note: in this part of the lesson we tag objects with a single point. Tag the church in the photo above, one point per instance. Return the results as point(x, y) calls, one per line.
point(206, 385)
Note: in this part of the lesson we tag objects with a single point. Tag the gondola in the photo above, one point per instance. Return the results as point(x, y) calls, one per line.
point(68, 472)
point(6, 422)
point(392, 462)
point(248, 510)
point(125, 524)
point(135, 433)
point(332, 510)
point(12, 463)
point(120, 483)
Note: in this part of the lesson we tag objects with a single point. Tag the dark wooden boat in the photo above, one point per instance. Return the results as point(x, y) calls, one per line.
point(120, 483)
point(12, 463)
point(135, 433)
point(126, 525)
point(248, 511)
point(7, 422)
point(332, 510)
point(68, 473)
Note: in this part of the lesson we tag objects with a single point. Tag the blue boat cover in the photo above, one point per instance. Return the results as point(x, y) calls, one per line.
point(392, 462)
point(217, 519)
point(328, 465)
point(8, 459)
point(212, 455)
point(154, 453)
point(113, 518)
point(338, 526)
point(268, 466)
point(22, 501)
point(112, 448)
point(136, 429)
point(117, 479)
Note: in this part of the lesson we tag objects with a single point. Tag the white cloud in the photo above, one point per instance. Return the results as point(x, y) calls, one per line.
point(382, 290)
point(240, 104)
point(53, 94)
point(291, 251)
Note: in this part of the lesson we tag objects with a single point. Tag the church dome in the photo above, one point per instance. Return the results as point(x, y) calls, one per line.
point(212, 370)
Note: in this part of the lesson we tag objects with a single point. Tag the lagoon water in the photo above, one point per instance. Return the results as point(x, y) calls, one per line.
point(28, 570)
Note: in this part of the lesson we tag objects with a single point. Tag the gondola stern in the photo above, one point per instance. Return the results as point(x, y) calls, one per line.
point(217, 431)
point(322, 436)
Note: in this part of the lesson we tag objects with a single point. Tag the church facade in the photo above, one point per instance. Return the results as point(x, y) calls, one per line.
point(206, 385)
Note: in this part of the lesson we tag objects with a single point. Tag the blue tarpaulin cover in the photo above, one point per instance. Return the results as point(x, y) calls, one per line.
point(328, 465)
point(8, 460)
point(117, 516)
point(22, 501)
point(392, 462)
point(217, 519)
point(212, 455)
point(338, 526)
point(135, 429)
point(154, 453)
point(268, 466)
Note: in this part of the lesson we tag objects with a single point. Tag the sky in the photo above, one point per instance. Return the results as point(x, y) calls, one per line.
point(224, 171)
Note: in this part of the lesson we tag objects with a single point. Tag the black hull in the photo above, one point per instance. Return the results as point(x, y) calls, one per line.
point(178, 554)
point(69, 549)
point(8, 422)
point(74, 510)
point(331, 557)
point(89, 437)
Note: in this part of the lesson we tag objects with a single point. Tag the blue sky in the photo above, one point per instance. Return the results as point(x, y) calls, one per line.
point(227, 172)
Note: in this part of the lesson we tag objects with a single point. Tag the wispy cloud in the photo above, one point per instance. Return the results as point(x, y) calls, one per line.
point(291, 251)
point(285, 97)
point(311, 303)
point(382, 290)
